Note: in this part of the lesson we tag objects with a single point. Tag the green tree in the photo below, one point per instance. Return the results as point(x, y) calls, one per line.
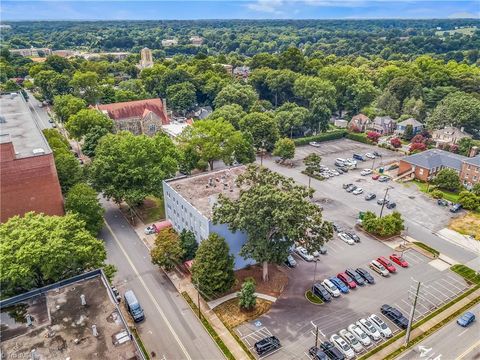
point(308, 88)
point(476, 189)
point(246, 297)
point(389, 104)
point(57, 63)
point(37, 250)
point(291, 118)
point(262, 128)
point(408, 132)
point(212, 270)
point(86, 120)
point(181, 97)
point(320, 115)
point(292, 59)
point(232, 113)
point(128, 167)
point(243, 95)
point(91, 139)
point(415, 108)
point(284, 148)
point(465, 145)
point(189, 244)
point(469, 200)
point(82, 200)
point(312, 165)
point(274, 213)
point(215, 140)
point(10, 86)
point(69, 170)
point(67, 105)
point(86, 86)
point(448, 179)
point(168, 250)
point(388, 225)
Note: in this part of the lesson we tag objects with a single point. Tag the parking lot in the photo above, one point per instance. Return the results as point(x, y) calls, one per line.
point(293, 319)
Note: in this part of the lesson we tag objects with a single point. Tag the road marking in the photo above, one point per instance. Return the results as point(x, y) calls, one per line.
point(162, 314)
point(451, 284)
point(463, 332)
point(454, 294)
point(468, 351)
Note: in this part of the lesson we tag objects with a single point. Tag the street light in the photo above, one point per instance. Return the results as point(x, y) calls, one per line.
point(384, 198)
point(412, 312)
point(315, 272)
point(316, 333)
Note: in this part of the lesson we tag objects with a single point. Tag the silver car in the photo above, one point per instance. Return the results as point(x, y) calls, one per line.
point(381, 326)
point(360, 335)
point(367, 326)
point(343, 346)
point(352, 340)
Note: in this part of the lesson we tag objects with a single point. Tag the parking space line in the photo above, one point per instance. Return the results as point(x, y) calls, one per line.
point(410, 258)
point(331, 248)
point(439, 292)
point(464, 286)
point(428, 293)
point(460, 290)
point(411, 292)
point(450, 291)
point(406, 312)
point(453, 282)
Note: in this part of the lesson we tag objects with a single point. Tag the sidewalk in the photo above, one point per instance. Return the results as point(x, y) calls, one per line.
point(427, 325)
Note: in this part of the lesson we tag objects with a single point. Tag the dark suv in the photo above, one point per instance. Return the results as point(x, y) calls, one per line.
point(395, 315)
point(267, 345)
point(321, 292)
point(355, 276)
point(366, 275)
point(317, 354)
point(331, 351)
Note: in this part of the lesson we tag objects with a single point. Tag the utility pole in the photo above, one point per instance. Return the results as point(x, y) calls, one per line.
point(316, 333)
point(384, 199)
point(315, 272)
point(412, 313)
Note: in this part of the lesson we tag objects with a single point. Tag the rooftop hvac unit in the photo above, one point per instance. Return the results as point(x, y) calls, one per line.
point(38, 151)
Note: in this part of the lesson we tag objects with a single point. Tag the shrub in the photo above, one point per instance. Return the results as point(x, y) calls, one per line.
point(332, 135)
point(437, 194)
point(354, 129)
point(246, 297)
point(395, 142)
point(469, 200)
point(418, 139)
point(447, 179)
point(388, 225)
point(417, 147)
point(359, 137)
point(373, 136)
point(167, 251)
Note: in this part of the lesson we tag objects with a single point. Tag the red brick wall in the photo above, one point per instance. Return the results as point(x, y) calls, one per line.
point(404, 166)
point(28, 184)
point(469, 174)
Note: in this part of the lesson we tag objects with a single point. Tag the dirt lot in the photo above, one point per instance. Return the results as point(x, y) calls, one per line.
point(469, 224)
point(278, 279)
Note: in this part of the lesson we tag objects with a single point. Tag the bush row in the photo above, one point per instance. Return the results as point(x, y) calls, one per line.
point(360, 137)
point(332, 135)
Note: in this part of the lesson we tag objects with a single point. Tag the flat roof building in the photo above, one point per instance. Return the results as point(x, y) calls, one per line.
point(54, 323)
point(28, 177)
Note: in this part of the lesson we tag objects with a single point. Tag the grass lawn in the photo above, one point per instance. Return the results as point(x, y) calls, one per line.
point(232, 315)
point(447, 195)
point(151, 210)
point(313, 298)
point(469, 224)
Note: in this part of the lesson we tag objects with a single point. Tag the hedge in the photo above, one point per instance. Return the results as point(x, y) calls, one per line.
point(332, 135)
point(425, 247)
point(359, 137)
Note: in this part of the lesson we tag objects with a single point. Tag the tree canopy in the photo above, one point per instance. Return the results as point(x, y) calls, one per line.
point(82, 200)
point(81, 123)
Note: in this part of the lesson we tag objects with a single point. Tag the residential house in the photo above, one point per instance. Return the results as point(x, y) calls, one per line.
point(470, 172)
point(242, 72)
point(169, 42)
point(417, 126)
point(196, 40)
point(202, 112)
point(341, 123)
point(449, 135)
point(359, 121)
point(138, 117)
point(384, 125)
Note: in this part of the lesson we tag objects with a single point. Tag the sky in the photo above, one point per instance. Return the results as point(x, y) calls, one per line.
point(239, 9)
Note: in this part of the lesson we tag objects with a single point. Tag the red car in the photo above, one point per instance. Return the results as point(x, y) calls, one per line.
point(347, 280)
point(375, 176)
point(388, 265)
point(397, 259)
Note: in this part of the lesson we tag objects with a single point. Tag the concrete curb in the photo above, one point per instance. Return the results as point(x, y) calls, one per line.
point(214, 303)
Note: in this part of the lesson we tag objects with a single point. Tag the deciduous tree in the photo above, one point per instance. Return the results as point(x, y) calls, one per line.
point(67, 105)
point(189, 244)
point(284, 148)
point(181, 97)
point(86, 120)
point(447, 179)
point(82, 200)
point(312, 165)
point(469, 200)
point(167, 251)
point(243, 95)
point(262, 128)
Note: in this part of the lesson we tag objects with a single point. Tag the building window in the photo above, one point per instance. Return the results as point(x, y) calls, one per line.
point(468, 167)
point(152, 128)
point(474, 178)
point(420, 172)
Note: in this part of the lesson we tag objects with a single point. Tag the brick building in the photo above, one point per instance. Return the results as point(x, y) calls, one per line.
point(28, 177)
point(470, 172)
point(138, 117)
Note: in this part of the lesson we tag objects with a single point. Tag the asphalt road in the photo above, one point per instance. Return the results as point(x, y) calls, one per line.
point(39, 113)
point(450, 342)
point(170, 329)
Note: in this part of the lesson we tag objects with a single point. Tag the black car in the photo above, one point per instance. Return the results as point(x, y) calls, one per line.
point(370, 196)
point(395, 315)
point(442, 202)
point(377, 154)
point(321, 292)
point(355, 276)
point(351, 188)
point(267, 345)
point(345, 186)
point(455, 208)
point(332, 352)
point(365, 275)
point(391, 205)
point(336, 227)
point(353, 236)
point(317, 354)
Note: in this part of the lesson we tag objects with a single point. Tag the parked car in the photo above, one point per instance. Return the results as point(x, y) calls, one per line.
point(343, 346)
point(377, 154)
point(382, 201)
point(350, 163)
point(366, 172)
point(317, 354)
point(267, 345)
point(360, 335)
point(346, 238)
point(354, 236)
point(341, 169)
point(378, 268)
point(339, 284)
point(456, 208)
point(366, 275)
point(351, 188)
point(314, 143)
point(351, 340)
point(347, 280)
point(357, 191)
point(346, 186)
point(331, 288)
point(387, 264)
point(319, 290)
point(466, 319)
point(395, 315)
point(375, 177)
point(383, 178)
point(370, 196)
point(391, 205)
point(382, 328)
point(335, 172)
point(369, 329)
point(355, 276)
point(133, 306)
point(322, 250)
point(398, 259)
point(336, 227)
point(370, 155)
point(290, 262)
point(332, 352)
point(358, 157)
point(149, 230)
point(304, 253)
point(442, 202)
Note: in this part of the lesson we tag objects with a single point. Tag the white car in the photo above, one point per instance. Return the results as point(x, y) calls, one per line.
point(346, 238)
point(343, 346)
point(304, 253)
point(360, 335)
point(367, 326)
point(370, 155)
point(350, 162)
point(352, 340)
point(332, 289)
point(381, 326)
point(378, 268)
point(357, 191)
point(149, 230)
point(335, 172)
point(366, 172)
point(314, 143)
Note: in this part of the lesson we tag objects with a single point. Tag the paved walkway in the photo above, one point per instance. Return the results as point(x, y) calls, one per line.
point(214, 303)
point(427, 325)
point(461, 240)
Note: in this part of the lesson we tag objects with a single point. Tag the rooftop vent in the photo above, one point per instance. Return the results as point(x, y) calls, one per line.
point(2, 119)
point(38, 151)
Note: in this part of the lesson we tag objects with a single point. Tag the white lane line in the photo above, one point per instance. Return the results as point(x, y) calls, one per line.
point(162, 314)
point(463, 286)
point(438, 292)
point(450, 291)
point(468, 351)
point(425, 289)
point(449, 283)
point(410, 258)
point(463, 332)
point(410, 292)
